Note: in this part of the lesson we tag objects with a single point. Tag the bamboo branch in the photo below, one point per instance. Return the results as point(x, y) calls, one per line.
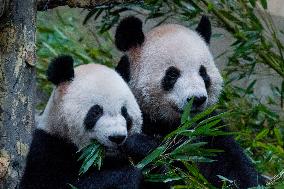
point(229, 26)
point(43, 5)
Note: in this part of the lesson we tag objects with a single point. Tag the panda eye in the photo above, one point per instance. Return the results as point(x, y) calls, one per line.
point(205, 76)
point(126, 116)
point(93, 116)
point(170, 78)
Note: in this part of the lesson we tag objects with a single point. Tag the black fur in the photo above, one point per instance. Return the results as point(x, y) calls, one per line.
point(137, 147)
point(171, 76)
point(198, 101)
point(204, 29)
point(157, 127)
point(60, 70)
point(93, 116)
point(232, 164)
point(205, 76)
point(124, 178)
point(123, 68)
point(129, 33)
point(52, 164)
point(126, 116)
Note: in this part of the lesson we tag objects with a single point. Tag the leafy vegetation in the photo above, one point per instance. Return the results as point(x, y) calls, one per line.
point(257, 122)
point(64, 34)
point(183, 147)
point(91, 156)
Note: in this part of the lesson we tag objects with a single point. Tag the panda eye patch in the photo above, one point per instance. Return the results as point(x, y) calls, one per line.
point(126, 116)
point(93, 116)
point(170, 78)
point(205, 76)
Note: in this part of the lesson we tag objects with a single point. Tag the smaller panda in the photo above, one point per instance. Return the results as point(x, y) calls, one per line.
point(89, 102)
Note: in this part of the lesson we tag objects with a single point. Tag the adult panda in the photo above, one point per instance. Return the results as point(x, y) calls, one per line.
point(165, 69)
point(89, 102)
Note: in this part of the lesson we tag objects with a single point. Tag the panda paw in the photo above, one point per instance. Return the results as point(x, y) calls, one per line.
point(138, 146)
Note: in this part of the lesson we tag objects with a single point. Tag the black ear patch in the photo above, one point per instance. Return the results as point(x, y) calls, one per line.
point(60, 70)
point(205, 76)
point(204, 29)
point(123, 68)
point(93, 116)
point(129, 33)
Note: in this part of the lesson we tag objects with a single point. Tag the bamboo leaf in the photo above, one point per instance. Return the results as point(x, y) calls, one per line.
point(262, 134)
point(91, 155)
point(151, 157)
point(278, 135)
point(252, 2)
point(72, 187)
point(187, 147)
point(186, 111)
point(264, 3)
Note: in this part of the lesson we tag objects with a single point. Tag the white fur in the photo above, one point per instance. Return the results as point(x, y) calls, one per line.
point(172, 45)
point(93, 84)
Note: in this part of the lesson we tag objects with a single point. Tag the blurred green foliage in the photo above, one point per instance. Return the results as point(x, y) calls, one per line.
point(258, 122)
point(65, 34)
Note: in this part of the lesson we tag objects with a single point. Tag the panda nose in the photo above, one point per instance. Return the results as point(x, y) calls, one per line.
point(118, 139)
point(198, 101)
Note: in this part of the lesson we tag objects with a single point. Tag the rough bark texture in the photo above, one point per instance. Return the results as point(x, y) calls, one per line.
point(43, 5)
point(17, 81)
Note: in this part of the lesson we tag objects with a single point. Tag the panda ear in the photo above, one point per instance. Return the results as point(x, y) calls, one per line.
point(123, 68)
point(60, 69)
point(129, 33)
point(204, 29)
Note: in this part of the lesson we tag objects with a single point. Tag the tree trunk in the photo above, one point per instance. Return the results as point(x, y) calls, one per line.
point(17, 79)
point(17, 82)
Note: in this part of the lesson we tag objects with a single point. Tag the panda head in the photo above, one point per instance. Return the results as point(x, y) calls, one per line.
point(168, 66)
point(89, 102)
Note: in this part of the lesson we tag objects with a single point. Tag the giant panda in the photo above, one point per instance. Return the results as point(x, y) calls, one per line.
point(88, 102)
point(166, 68)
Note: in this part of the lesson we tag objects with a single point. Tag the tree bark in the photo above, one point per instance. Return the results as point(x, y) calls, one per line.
point(17, 82)
point(43, 5)
point(17, 79)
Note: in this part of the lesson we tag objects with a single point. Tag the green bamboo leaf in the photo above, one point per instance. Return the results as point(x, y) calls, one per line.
point(166, 177)
point(187, 147)
point(278, 135)
point(89, 15)
point(91, 155)
point(249, 89)
point(88, 163)
point(88, 150)
point(262, 134)
point(264, 3)
point(224, 179)
point(72, 187)
point(197, 159)
point(186, 111)
point(252, 2)
point(205, 113)
point(151, 157)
